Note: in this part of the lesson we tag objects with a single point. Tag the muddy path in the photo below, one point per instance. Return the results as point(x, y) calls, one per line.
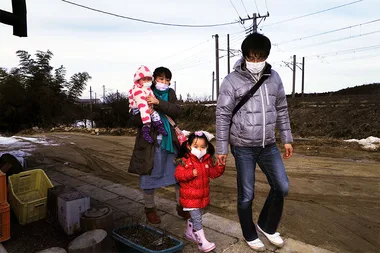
point(333, 203)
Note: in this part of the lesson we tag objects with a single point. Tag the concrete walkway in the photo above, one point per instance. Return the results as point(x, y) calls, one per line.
point(127, 205)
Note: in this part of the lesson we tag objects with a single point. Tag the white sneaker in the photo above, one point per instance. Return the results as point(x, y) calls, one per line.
point(275, 238)
point(257, 245)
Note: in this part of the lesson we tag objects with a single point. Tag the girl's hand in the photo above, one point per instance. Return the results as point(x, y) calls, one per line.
point(152, 100)
point(195, 172)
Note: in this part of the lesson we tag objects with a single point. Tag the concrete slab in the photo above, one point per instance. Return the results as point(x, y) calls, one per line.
point(177, 226)
point(166, 205)
point(96, 181)
point(241, 247)
point(71, 171)
point(55, 183)
point(228, 227)
point(52, 173)
point(63, 178)
point(232, 228)
point(293, 246)
point(128, 206)
point(174, 225)
point(128, 192)
point(96, 193)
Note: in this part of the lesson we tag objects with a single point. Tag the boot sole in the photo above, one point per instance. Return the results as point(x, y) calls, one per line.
point(207, 250)
point(279, 245)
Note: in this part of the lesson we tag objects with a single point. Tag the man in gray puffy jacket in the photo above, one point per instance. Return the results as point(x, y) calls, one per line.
point(251, 134)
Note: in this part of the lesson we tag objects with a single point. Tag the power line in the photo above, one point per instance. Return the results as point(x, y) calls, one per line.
point(244, 7)
point(340, 39)
point(321, 11)
point(235, 8)
point(357, 58)
point(332, 31)
point(266, 5)
point(348, 51)
point(147, 21)
point(257, 8)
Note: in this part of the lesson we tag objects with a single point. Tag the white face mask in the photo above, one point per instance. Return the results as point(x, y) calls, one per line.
point(255, 67)
point(198, 153)
point(147, 84)
point(162, 86)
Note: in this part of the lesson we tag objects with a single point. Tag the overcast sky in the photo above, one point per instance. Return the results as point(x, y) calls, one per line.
point(111, 48)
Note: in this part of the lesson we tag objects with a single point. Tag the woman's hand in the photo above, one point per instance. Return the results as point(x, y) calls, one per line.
point(195, 172)
point(152, 100)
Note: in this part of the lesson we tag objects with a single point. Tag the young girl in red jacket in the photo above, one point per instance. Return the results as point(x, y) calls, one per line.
point(196, 165)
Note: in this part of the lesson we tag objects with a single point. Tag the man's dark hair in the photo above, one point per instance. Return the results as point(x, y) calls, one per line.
point(256, 46)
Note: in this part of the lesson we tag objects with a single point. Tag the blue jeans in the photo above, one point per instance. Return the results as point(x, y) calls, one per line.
point(270, 161)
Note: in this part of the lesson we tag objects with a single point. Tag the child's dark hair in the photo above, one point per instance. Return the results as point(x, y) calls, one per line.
point(184, 151)
point(257, 46)
point(162, 71)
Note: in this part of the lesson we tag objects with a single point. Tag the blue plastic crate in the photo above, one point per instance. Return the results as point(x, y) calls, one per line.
point(124, 245)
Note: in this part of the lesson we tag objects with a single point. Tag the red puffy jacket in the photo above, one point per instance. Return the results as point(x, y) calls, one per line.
point(194, 191)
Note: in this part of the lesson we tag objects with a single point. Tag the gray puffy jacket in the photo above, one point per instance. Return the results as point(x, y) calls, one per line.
point(254, 124)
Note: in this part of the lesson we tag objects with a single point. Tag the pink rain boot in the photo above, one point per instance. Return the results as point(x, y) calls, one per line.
point(203, 244)
point(189, 232)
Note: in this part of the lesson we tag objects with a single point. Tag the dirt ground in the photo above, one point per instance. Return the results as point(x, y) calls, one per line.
point(334, 198)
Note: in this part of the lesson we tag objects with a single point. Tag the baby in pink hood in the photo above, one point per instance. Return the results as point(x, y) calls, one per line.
point(137, 99)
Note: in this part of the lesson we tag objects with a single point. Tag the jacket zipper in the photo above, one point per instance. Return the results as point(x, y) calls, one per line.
point(263, 108)
point(266, 93)
point(262, 104)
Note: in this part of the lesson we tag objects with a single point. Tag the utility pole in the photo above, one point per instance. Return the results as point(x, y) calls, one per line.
point(104, 94)
point(212, 86)
point(293, 66)
point(92, 125)
point(16, 18)
point(117, 106)
point(175, 86)
point(303, 75)
point(254, 18)
point(294, 76)
point(217, 63)
point(228, 53)
point(254, 23)
point(95, 97)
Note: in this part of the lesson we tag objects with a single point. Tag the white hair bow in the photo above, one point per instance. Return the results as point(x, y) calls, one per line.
point(208, 135)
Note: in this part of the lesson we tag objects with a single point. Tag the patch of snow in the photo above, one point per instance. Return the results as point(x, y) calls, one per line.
point(7, 140)
point(84, 123)
point(20, 146)
point(371, 143)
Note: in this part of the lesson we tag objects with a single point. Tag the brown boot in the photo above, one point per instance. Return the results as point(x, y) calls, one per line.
point(151, 215)
point(184, 214)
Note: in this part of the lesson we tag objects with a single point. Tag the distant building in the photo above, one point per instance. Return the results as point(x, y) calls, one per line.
point(87, 101)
